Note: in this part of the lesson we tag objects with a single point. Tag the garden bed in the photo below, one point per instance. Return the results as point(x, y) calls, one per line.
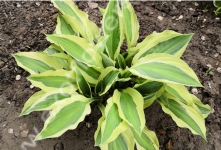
point(22, 28)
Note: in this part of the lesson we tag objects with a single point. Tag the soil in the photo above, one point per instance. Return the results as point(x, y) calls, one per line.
point(22, 28)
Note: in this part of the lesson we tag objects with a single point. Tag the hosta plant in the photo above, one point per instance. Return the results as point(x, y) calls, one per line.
point(86, 66)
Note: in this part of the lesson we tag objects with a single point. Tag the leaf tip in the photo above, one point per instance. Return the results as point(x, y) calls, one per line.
point(38, 137)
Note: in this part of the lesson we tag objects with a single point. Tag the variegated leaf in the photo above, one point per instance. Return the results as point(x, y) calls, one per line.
point(75, 110)
point(217, 3)
point(148, 87)
point(83, 85)
point(89, 73)
point(106, 61)
point(31, 100)
point(165, 68)
point(131, 23)
point(63, 27)
point(180, 92)
point(101, 44)
point(204, 109)
point(78, 48)
point(130, 105)
point(112, 25)
point(121, 62)
point(106, 79)
point(113, 125)
point(51, 80)
point(46, 101)
point(185, 116)
point(63, 59)
point(36, 62)
point(150, 90)
point(170, 42)
point(125, 141)
point(147, 141)
point(78, 20)
point(102, 10)
point(53, 49)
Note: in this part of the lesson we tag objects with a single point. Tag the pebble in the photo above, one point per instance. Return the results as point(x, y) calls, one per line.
point(216, 55)
point(88, 124)
point(191, 9)
point(196, 4)
point(18, 5)
point(174, 17)
point(18, 77)
point(160, 17)
point(194, 91)
point(10, 130)
point(217, 18)
point(9, 102)
point(24, 133)
point(203, 38)
point(204, 20)
point(37, 3)
point(209, 66)
point(92, 5)
point(218, 69)
point(180, 17)
point(32, 86)
point(23, 126)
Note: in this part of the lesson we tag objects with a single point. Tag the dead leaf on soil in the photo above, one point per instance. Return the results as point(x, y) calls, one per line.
point(169, 145)
point(162, 131)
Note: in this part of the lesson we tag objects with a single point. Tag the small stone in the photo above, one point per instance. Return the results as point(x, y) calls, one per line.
point(18, 5)
point(218, 69)
point(194, 91)
point(191, 9)
point(196, 4)
point(37, 3)
point(32, 86)
point(204, 20)
point(23, 126)
point(180, 17)
point(209, 66)
point(154, 31)
point(9, 102)
point(203, 38)
point(10, 130)
point(41, 24)
point(88, 124)
point(174, 17)
point(217, 18)
point(24, 133)
point(216, 55)
point(92, 5)
point(18, 77)
point(160, 17)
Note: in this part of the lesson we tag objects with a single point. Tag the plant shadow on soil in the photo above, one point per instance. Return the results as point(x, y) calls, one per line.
point(22, 28)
